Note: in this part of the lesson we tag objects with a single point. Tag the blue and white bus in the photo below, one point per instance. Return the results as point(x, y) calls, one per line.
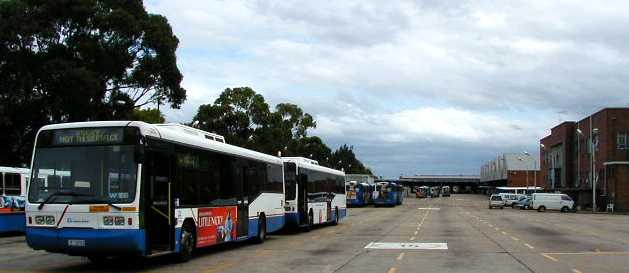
point(314, 194)
point(358, 194)
point(386, 194)
point(12, 191)
point(114, 188)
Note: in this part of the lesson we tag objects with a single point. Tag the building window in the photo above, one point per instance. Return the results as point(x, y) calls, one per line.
point(621, 141)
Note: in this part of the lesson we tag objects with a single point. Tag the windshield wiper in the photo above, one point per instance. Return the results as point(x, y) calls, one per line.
point(61, 193)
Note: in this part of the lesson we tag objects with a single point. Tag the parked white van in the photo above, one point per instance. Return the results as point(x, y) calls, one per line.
point(553, 201)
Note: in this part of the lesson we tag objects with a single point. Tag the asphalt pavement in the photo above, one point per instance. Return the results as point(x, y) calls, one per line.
point(477, 240)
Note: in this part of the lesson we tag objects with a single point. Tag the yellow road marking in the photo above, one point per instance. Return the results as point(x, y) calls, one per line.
point(529, 246)
point(515, 238)
point(496, 228)
point(550, 257)
point(413, 238)
point(490, 225)
point(220, 267)
point(392, 270)
point(400, 257)
point(576, 270)
point(415, 233)
point(591, 253)
point(504, 233)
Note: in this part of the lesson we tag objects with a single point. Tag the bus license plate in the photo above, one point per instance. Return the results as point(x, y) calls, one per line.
point(76, 242)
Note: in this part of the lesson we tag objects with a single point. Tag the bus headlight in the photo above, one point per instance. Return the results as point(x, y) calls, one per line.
point(50, 220)
point(108, 220)
point(39, 220)
point(119, 220)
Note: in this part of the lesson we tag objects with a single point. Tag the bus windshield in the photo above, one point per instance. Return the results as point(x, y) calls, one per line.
point(94, 174)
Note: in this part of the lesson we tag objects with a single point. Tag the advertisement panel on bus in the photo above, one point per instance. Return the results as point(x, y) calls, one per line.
point(216, 225)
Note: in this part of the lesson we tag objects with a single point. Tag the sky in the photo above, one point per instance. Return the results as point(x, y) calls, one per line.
point(417, 87)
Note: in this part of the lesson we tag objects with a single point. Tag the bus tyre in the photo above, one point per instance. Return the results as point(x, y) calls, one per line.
point(261, 230)
point(336, 216)
point(97, 259)
point(310, 220)
point(187, 243)
point(541, 209)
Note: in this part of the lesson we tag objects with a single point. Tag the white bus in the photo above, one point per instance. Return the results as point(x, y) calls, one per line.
point(113, 188)
point(12, 191)
point(314, 194)
point(518, 190)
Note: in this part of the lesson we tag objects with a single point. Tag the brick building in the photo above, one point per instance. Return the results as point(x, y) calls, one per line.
point(510, 170)
point(596, 149)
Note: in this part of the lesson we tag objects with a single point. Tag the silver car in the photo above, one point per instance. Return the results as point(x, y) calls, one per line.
point(496, 201)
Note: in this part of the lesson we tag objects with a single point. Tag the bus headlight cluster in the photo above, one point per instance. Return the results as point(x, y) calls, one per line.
point(45, 220)
point(113, 220)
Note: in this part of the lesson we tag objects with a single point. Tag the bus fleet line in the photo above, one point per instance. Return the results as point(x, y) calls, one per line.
point(116, 188)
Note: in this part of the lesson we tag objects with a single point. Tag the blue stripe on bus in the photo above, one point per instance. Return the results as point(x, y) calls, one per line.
point(14, 221)
point(273, 224)
point(101, 241)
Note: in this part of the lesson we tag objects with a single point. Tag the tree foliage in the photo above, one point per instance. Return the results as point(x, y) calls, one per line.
point(148, 115)
point(245, 119)
point(78, 60)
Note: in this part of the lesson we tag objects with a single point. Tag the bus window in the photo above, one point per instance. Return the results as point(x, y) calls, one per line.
point(11, 184)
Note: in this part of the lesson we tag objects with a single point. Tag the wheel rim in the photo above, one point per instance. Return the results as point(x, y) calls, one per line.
point(186, 241)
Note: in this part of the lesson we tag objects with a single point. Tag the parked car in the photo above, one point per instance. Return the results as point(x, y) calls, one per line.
point(552, 201)
point(496, 201)
point(510, 198)
point(523, 203)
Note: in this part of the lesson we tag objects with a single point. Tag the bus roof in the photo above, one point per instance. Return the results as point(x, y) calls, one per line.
point(174, 134)
point(519, 188)
point(307, 164)
point(14, 170)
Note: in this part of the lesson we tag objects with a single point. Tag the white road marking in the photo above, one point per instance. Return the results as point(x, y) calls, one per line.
point(410, 246)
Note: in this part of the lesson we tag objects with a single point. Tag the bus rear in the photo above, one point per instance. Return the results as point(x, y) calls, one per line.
point(12, 191)
point(83, 196)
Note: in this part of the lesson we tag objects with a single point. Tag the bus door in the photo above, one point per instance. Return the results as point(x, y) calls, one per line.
point(302, 198)
point(243, 200)
point(159, 222)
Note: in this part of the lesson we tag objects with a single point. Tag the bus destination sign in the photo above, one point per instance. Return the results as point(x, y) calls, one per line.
point(88, 136)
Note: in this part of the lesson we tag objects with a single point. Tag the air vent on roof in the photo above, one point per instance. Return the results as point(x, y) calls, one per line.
point(193, 131)
point(303, 159)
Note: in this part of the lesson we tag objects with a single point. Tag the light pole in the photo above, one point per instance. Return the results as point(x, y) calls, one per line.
point(534, 168)
point(593, 166)
point(579, 134)
point(526, 171)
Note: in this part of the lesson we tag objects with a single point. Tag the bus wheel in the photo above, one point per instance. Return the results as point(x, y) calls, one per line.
point(187, 243)
point(336, 216)
point(97, 259)
point(541, 209)
point(310, 220)
point(261, 230)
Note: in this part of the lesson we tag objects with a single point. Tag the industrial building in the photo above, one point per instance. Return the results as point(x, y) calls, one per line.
point(593, 150)
point(510, 170)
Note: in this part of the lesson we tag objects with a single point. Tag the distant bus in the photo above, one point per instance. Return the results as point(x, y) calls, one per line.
point(12, 191)
point(120, 188)
point(314, 194)
point(386, 194)
point(519, 190)
point(445, 191)
point(358, 194)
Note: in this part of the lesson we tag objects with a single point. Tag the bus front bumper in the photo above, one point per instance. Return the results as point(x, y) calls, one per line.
point(85, 242)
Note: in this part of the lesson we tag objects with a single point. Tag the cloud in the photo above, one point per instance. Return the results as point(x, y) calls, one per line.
point(463, 78)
